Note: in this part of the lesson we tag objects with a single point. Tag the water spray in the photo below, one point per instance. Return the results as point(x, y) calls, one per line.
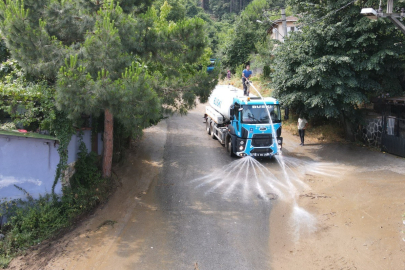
point(247, 178)
point(300, 218)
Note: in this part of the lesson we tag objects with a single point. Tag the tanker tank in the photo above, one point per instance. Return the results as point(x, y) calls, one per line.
point(221, 100)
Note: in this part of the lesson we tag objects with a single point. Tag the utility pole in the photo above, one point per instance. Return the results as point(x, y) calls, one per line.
point(284, 22)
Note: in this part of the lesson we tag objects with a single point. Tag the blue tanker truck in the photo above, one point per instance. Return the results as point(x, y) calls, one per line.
point(241, 123)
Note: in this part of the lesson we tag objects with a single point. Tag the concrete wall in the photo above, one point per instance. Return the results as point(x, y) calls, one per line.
point(74, 144)
point(31, 164)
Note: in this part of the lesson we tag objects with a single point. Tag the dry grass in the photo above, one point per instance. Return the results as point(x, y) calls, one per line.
point(261, 84)
point(327, 133)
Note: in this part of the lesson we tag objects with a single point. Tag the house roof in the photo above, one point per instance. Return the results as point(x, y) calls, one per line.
point(288, 19)
point(279, 21)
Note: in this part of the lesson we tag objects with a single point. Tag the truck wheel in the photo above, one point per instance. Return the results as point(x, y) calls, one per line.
point(228, 144)
point(212, 133)
point(207, 127)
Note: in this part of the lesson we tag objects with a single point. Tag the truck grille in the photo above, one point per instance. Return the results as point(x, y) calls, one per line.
point(261, 150)
point(262, 140)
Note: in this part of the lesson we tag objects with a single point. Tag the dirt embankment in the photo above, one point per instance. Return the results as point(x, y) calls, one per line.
point(358, 198)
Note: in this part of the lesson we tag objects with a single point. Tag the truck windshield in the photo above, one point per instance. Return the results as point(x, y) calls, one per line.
point(255, 114)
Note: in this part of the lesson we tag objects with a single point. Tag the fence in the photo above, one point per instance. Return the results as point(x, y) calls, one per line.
point(393, 138)
point(30, 162)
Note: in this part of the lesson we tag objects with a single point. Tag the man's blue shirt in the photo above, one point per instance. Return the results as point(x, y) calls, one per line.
point(247, 73)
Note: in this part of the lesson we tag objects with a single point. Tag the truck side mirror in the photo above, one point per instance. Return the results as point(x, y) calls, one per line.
point(231, 112)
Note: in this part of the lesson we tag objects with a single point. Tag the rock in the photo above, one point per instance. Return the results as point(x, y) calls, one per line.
point(1, 236)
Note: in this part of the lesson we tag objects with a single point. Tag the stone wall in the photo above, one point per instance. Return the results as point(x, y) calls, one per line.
point(372, 131)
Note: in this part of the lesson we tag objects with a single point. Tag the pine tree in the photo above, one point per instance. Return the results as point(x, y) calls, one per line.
point(125, 59)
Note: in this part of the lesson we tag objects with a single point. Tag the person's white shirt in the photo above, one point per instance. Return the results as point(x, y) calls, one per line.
point(301, 123)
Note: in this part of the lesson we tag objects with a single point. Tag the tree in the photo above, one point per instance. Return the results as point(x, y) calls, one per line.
point(337, 61)
point(241, 40)
point(125, 59)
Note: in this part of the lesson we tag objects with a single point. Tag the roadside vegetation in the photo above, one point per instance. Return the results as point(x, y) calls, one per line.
point(329, 69)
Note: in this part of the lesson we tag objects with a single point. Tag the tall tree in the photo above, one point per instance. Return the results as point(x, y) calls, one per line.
point(241, 40)
point(125, 59)
point(338, 60)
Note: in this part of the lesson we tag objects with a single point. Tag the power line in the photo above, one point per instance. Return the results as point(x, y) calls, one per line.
point(331, 13)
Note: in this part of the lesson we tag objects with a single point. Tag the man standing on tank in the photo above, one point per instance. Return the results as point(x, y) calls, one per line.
point(246, 74)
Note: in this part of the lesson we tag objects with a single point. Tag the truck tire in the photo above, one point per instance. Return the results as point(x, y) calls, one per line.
point(229, 146)
point(212, 133)
point(207, 127)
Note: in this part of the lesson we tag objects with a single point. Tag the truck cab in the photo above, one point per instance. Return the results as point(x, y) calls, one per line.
point(242, 124)
point(251, 132)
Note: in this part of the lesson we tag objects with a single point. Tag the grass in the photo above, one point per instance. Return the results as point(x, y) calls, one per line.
point(261, 84)
point(4, 261)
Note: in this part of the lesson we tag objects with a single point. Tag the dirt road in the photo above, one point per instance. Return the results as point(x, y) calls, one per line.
point(167, 214)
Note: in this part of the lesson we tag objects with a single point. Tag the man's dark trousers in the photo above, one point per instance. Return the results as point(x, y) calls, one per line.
point(302, 135)
point(245, 93)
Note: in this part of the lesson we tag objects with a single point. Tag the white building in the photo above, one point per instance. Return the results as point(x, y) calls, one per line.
point(277, 31)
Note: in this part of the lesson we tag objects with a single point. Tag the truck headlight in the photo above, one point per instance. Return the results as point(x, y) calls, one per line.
point(279, 141)
point(241, 148)
point(241, 142)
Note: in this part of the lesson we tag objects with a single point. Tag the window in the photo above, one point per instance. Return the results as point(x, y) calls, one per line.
point(258, 114)
point(236, 111)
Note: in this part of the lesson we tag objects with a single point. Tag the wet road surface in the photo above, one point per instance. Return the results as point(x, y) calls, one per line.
point(176, 223)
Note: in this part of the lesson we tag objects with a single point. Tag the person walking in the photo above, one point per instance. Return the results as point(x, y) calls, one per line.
point(246, 74)
point(228, 75)
point(302, 125)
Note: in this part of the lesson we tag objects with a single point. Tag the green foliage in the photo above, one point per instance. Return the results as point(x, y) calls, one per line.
point(336, 63)
point(128, 57)
point(264, 58)
point(221, 8)
point(4, 53)
point(242, 40)
point(63, 128)
point(29, 105)
point(10, 71)
point(95, 51)
point(86, 169)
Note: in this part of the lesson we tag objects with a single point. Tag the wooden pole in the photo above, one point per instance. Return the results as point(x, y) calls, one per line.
point(108, 143)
